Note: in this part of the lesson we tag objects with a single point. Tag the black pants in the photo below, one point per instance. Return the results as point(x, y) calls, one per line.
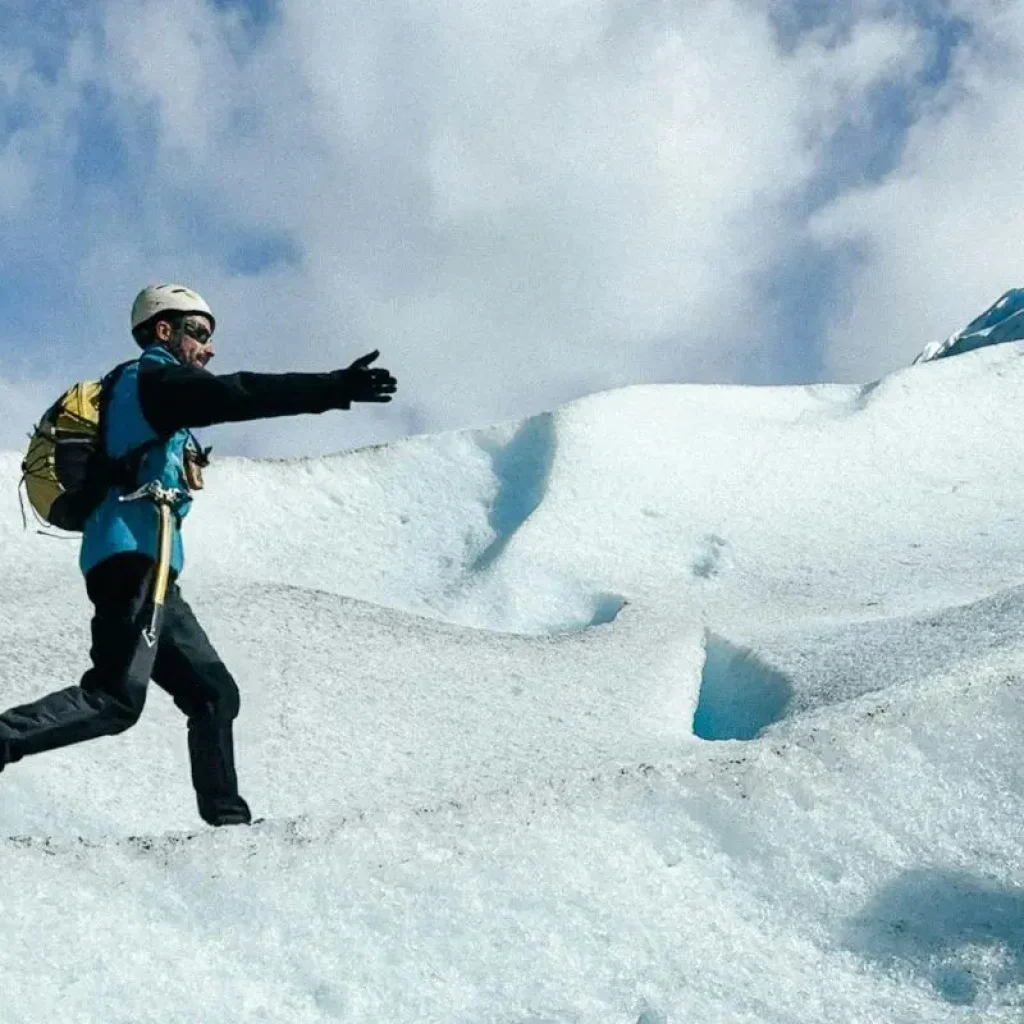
point(112, 693)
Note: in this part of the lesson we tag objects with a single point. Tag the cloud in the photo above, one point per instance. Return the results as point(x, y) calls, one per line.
point(517, 202)
point(938, 239)
point(23, 406)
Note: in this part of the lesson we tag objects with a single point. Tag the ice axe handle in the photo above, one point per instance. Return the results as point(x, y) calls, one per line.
point(163, 574)
point(165, 499)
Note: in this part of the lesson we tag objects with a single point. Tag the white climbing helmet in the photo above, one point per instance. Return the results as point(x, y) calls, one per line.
point(168, 298)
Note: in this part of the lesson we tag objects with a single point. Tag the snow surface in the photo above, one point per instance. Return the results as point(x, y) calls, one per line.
point(679, 704)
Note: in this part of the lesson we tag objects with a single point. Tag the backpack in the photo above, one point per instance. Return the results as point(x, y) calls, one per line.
point(66, 472)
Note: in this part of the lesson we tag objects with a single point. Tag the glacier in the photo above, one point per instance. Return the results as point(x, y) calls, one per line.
point(677, 703)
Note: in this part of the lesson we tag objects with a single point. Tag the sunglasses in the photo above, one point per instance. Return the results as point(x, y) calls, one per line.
point(200, 332)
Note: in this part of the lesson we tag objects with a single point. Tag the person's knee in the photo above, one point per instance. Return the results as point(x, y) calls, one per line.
point(221, 697)
point(117, 714)
point(118, 717)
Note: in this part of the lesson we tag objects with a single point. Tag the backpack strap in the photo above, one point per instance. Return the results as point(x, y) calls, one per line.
point(125, 470)
point(122, 471)
point(107, 385)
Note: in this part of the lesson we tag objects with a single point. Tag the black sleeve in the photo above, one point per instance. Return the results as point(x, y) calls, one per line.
point(173, 397)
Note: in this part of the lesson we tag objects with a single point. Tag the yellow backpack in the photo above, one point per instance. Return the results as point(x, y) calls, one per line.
point(66, 472)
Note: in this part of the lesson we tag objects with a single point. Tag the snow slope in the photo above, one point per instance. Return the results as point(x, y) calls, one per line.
point(677, 704)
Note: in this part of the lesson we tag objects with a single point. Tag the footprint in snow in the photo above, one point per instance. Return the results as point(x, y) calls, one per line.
point(708, 559)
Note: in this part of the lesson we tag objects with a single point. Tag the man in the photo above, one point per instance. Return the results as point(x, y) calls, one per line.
point(153, 403)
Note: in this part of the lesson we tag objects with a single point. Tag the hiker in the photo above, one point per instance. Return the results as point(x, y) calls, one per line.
point(152, 404)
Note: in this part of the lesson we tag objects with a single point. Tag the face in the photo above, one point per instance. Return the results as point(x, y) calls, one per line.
point(191, 343)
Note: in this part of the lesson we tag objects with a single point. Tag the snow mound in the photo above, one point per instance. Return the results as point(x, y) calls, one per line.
point(677, 703)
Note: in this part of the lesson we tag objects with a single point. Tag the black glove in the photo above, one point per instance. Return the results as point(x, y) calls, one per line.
point(358, 383)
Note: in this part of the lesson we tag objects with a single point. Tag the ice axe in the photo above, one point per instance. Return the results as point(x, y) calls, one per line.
point(165, 499)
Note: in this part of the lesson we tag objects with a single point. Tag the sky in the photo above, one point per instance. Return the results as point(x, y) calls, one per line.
point(516, 203)
point(562, 722)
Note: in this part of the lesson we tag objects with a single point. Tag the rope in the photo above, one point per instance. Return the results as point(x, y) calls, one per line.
point(21, 502)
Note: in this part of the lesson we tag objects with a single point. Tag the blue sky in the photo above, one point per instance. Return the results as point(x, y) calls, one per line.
point(517, 204)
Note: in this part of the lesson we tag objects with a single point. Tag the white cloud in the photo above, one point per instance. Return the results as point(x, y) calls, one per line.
point(940, 236)
point(22, 403)
point(516, 202)
point(38, 138)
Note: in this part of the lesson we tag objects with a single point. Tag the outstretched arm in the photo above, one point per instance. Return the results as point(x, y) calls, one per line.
point(174, 397)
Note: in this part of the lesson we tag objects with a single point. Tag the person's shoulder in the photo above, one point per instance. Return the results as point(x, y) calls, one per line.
point(157, 364)
point(156, 355)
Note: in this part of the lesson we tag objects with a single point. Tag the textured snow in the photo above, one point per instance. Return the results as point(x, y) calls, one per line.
point(680, 703)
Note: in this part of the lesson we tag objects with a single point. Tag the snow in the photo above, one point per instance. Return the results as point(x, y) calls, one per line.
point(680, 703)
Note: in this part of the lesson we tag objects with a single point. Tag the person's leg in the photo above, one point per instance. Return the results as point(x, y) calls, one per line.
point(112, 693)
point(191, 671)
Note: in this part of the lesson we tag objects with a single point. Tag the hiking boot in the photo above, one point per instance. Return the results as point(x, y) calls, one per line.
point(233, 811)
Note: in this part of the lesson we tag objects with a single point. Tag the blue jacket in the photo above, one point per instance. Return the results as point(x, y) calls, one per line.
point(157, 399)
point(117, 527)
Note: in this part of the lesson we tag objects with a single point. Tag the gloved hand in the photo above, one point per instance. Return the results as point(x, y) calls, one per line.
point(358, 383)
